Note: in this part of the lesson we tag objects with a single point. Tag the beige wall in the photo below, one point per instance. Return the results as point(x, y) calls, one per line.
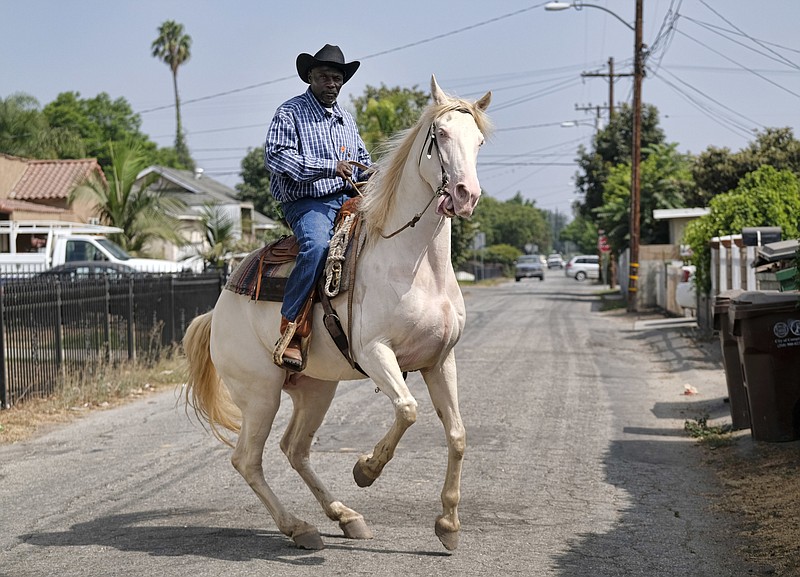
point(11, 170)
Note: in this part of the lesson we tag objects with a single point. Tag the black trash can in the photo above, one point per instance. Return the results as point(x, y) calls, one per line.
point(766, 325)
point(737, 394)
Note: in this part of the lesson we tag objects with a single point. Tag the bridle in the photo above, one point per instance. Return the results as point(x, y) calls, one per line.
point(432, 143)
point(438, 192)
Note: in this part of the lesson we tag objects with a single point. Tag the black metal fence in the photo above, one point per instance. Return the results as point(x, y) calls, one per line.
point(53, 326)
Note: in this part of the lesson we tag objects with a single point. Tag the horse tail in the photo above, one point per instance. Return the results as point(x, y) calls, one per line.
point(205, 392)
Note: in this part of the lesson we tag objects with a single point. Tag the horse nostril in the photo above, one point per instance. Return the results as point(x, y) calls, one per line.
point(464, 195)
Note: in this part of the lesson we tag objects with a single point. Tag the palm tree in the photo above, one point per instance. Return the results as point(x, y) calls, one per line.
point(144, 215)
point(220, 229)
point(173, 47)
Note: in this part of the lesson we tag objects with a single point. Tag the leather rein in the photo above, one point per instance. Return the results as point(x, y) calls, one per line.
point(442, 187)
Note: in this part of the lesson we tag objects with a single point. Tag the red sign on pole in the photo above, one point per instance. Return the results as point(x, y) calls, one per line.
point(602, 244)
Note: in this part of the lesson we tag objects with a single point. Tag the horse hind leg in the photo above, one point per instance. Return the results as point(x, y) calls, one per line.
point(311, 400)
point(442, 389)
point(247, 459)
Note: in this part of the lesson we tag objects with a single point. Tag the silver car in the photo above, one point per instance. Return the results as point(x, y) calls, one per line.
point(529, 266)
point(583, 266)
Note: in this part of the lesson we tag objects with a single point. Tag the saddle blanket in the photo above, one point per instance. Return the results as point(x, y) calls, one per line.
point(263, 273)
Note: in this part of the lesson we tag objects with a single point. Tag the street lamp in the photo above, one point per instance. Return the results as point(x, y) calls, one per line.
point(636, 147)
point(558, 6)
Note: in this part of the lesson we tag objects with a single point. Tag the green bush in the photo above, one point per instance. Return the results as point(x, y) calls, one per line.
point(765, 197)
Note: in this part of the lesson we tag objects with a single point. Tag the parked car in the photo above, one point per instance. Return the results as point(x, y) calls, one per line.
point(685, 292)
point(88, 269)
point(529, 266)
point(555, 261)
point(583, 266)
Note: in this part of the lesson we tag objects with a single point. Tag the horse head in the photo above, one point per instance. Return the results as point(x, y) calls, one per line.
point(442, 151)
point(456, 133)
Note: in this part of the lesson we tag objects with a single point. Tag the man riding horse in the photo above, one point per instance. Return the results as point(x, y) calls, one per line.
point(309, 148)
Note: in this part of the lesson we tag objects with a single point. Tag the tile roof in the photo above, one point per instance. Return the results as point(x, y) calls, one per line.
point(8, 206)
point(52, 179)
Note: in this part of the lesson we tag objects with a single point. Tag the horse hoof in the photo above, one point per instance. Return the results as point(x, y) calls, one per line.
point(356, 529)
point(361, 478)
point(447, 536)
point(309, 540)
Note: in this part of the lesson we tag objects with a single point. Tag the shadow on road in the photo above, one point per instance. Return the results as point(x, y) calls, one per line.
point(145, 532)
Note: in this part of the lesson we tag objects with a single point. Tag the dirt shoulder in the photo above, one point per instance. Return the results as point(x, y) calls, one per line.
point(761, 485)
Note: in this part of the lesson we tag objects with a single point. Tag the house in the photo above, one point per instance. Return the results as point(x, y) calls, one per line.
point(660, 265)
point(197, 191)
point(678, 218)
point(39, 189)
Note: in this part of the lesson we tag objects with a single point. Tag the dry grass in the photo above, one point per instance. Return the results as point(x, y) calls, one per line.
point(102, 388)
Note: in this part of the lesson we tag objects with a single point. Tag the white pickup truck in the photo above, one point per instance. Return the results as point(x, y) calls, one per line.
point(32, 247)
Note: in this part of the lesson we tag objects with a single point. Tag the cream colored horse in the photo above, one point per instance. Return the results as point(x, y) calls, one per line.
point(408, 314)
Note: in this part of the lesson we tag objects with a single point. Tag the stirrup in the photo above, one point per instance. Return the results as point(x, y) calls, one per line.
point(283, 344)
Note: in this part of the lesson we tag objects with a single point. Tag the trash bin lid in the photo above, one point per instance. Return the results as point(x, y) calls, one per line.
point(755, 303)
point(723, 300)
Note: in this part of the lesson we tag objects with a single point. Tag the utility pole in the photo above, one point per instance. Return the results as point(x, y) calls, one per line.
point(611, 78)
point(596, 110)
point(636, 149)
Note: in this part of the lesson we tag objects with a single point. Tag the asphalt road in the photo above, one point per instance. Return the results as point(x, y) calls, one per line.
point(577, 466)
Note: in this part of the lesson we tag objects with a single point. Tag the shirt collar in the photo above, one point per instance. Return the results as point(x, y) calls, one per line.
point(320, 110)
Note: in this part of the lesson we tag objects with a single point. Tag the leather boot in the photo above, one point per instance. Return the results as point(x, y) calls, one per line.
point(297, 333)
point(292, 355)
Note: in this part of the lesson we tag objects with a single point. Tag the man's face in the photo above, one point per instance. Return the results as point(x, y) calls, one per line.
point(326, 82)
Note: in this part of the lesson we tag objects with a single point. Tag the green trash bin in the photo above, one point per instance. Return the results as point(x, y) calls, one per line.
point(766, 325)
point(737, 394)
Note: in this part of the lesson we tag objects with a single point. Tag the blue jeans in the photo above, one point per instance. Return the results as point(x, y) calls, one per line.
point(311, 220)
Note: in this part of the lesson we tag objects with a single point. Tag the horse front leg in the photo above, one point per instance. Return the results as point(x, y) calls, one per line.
point(311, 400)
point(381, 364)
point(443, 390)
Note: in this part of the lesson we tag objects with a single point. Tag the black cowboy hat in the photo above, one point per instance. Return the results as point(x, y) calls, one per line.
point(327, 56)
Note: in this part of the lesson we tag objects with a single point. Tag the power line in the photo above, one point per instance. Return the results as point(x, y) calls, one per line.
point(718, 31)
point(740, 31)
point(752, 71)
point(733, 126)
point(367, 57)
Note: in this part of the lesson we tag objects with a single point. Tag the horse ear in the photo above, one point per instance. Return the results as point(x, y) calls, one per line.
point(439, 97)
point(483, 103)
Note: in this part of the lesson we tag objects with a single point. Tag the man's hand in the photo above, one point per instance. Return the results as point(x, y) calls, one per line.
point(343, 169)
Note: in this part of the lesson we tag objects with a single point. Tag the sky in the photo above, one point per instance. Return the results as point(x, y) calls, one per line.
point(717, 70)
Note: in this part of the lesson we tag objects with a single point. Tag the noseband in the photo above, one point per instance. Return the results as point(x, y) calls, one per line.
point(433, 143)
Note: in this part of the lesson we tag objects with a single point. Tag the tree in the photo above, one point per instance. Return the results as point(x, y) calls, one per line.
point(99, 121)
point(718, 170)
point(766, 197)
point(173, 47)
point(382, 112)
point(255, 185)
point(26, 132)
point(516, 222)
point(219, 228)
point(664, 176)
point(582, 232)
point(142, 214)
point(612, 146)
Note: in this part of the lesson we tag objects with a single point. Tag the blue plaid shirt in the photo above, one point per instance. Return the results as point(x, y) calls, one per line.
point(304, 143)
